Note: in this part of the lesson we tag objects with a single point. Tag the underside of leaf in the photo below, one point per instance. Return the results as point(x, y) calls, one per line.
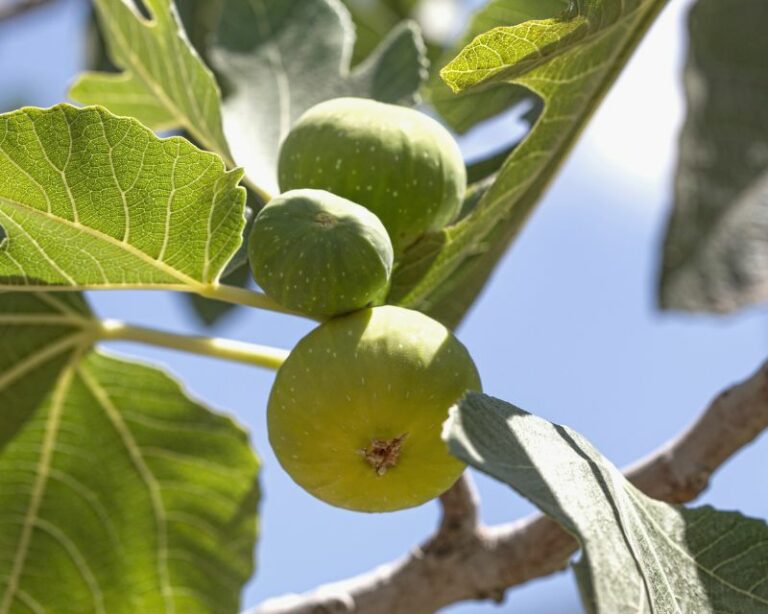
point(119, 493)
point(638, 554)
point(716, 249)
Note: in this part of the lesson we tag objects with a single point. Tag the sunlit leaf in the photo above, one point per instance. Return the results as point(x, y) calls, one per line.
point(90, 200)
point(570, 62)
point(463, 111)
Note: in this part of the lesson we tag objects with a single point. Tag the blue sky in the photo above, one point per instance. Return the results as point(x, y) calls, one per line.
point(567, 329)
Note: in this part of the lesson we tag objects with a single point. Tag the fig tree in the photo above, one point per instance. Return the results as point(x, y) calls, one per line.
point(399, 163)
point(356, 410)
point(319, 254)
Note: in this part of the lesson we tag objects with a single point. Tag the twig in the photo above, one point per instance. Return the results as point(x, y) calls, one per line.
point(466, 561)
point(459, 504)
point(20, 7)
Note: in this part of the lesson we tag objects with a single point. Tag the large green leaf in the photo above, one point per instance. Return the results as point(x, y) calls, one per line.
point(717, 243)
point(569, 62)
point(165, 84)
point(90, 200)
point(280, 57)
point(463, 111)
point(639, 554)
point(118, 493)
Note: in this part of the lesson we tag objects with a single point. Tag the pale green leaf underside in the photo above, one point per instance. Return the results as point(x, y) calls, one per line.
point(119, 493)
point(90, 200)
point(281, 57)
point(639, 554)
point(165, 83)
point(569, 62)
point(716, 248)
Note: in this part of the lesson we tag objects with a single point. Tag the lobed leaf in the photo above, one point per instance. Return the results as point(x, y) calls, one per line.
point(281, 57)
point(638, 554)
point(91, 200)
point(716, 248)
point(569, 62)
point(118, 492)
point(471, 107)
point(164, 83)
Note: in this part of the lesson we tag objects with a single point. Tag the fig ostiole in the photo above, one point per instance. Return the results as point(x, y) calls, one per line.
point(319, 254)
point(356, 411)
point(399, 163)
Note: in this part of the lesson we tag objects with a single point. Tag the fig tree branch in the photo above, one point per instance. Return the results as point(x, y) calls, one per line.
point(479, 562)
point(459, 504)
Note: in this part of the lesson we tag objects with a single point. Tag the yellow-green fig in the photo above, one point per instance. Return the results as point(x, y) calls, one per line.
point(399, 163)
point(319, 254)
point(356, 410)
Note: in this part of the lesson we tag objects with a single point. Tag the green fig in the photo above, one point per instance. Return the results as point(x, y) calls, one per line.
point(399, 163)
point(319, 254)
point(356, 410)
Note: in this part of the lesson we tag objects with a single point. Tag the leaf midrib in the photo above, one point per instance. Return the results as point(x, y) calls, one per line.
point(42, 356)
point(127, 247)
point(38, 490)
point(525, 61)
point(146, 475)
point(692, 559)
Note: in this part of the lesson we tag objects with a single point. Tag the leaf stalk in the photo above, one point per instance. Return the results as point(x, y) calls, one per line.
point(226, 349)
point(243, 296)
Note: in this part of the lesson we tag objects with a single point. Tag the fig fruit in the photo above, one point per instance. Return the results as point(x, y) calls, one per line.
point(399, 163)
point(356, 410)
point(319, 254)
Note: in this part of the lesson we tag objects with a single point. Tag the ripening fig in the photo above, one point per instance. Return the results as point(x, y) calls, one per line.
point(356, 410)
point(399, 163)
point(319, 254)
